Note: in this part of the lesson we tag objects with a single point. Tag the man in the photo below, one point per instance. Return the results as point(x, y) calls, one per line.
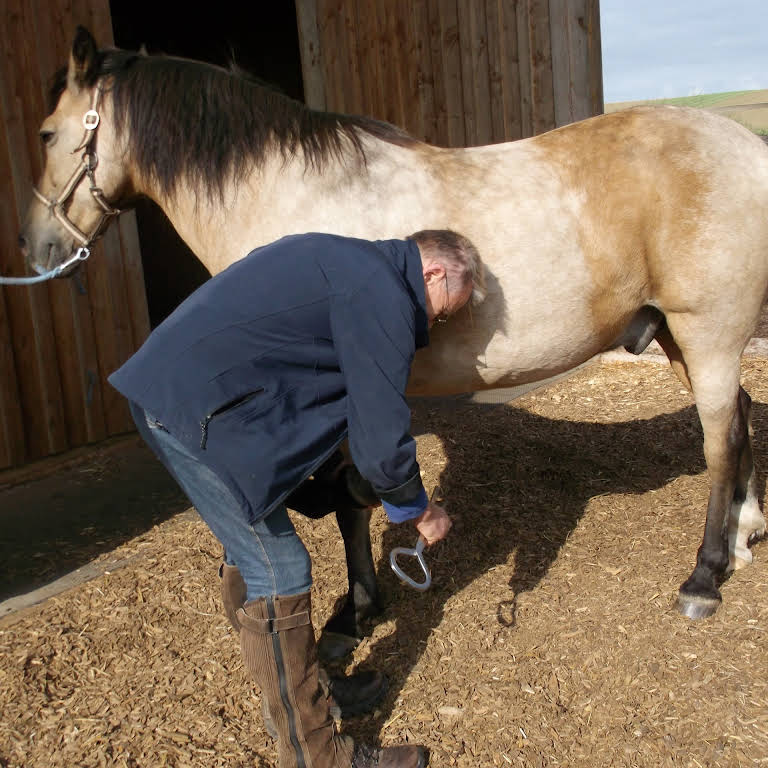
point(252, 384)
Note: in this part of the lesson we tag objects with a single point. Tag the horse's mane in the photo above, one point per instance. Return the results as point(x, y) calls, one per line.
point(209, 125)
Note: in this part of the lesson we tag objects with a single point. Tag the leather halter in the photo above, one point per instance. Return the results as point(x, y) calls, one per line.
point(88, 162)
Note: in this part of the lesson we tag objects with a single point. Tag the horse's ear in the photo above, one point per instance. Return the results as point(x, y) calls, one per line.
point(81, 60)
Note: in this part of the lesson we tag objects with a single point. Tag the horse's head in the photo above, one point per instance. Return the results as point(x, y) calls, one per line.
point(83, 169)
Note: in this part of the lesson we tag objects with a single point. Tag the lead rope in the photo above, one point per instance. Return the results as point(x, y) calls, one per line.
point(80, 255)
point(87, 166)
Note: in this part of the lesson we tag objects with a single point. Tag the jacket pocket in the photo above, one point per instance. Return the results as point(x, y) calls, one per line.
point(221, 410)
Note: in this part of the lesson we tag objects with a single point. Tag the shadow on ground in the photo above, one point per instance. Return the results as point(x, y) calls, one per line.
point(53, 525)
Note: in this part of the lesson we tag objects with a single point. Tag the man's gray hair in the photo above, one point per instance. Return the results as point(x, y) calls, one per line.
point(459, 257)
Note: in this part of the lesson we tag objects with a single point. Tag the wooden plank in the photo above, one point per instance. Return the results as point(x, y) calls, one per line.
point(34, 347)
point(441, 137)
point(473, 44)
point(367, 57)
point(573, 24)
point(423, 81)
point(495, 70)
point(561, 44)
point(108, 310)
point(481, 70)
point(344, 88)
point(594, 58)
point(53, 34)
point(542, 99)
point(451, 65)
point(391, 15)
point(524, 66)
point(312, 67)
point(138, 312)
point(468, 75)
point(351, 44)
point(327, 12)
point(509, 63)
point(12, 445)
point(88, 423)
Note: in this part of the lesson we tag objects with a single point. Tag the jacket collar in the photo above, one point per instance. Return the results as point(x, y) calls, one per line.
point(407, 257)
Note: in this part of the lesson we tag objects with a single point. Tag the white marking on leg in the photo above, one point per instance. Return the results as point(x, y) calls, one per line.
point(745, 522)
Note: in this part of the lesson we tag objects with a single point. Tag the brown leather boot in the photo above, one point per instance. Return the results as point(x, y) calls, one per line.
point(348, 695)
point(279, 651)
point(233, 592)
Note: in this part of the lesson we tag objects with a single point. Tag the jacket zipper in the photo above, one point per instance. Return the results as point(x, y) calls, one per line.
point(220, 410)
point(283, 684)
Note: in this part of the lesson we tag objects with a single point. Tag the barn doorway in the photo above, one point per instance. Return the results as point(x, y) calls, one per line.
point(262, 38)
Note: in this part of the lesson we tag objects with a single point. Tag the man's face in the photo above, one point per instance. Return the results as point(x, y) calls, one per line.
point(441, 303)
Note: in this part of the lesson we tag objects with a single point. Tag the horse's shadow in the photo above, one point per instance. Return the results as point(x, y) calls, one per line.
point(537, 494)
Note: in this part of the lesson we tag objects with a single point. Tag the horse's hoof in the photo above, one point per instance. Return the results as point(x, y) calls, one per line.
point(333, 645)
point(696, 606)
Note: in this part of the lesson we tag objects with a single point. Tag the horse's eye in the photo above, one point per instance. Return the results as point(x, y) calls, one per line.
point(47, 136)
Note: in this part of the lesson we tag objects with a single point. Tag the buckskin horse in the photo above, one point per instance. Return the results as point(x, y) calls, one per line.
point(646, 223)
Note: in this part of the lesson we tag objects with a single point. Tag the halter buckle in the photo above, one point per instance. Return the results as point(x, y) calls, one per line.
point(91, 120)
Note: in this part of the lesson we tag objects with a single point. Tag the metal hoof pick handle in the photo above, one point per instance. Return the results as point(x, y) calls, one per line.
point(418, 553)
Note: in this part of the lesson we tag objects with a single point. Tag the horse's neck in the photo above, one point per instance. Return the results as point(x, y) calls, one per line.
point(386, 198)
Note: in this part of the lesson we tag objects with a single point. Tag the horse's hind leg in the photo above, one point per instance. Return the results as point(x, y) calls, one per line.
point(745, 519)
point(714, 377)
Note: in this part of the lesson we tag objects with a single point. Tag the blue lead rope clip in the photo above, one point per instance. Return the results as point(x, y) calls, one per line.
point(418, 553)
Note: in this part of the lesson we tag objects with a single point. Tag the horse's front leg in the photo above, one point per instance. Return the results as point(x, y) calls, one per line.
point(344, 631)
point(726, 434)
point(746, 521)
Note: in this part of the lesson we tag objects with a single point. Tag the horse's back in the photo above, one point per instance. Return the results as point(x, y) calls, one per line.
point(584, 226)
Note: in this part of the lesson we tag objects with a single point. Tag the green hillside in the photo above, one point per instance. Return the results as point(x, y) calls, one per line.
point(750, 108)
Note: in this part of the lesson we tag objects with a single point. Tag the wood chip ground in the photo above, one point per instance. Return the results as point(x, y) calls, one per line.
point(549, 637)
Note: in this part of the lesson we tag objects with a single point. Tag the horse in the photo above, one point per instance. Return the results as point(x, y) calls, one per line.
point(640, 224)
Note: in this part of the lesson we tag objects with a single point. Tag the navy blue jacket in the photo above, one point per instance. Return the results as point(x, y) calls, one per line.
point(266, 368)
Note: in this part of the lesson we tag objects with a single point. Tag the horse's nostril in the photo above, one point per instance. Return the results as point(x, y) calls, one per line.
point(23, 242)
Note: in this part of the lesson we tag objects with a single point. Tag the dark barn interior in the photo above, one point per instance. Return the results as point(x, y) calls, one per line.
point(259, 37)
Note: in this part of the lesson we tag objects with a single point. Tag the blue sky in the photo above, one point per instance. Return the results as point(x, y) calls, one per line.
point(656, 49)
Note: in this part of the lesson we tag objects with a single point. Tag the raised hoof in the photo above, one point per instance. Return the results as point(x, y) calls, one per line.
point(696, 606)
point(334, 645)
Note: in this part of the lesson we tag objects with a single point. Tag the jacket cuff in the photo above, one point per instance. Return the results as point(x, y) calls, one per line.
point(408, 511)
point(404, 493)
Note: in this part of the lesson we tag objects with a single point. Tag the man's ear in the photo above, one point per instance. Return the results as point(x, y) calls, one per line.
point(82, 60)
point(433, 272)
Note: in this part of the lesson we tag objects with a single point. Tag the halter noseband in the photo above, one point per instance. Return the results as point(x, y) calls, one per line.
point(87, 167)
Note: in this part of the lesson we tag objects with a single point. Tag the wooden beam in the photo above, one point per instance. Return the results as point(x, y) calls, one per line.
point(311, 54)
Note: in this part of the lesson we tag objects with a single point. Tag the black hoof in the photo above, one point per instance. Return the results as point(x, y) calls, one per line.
point(333, 645)
point(697, 606)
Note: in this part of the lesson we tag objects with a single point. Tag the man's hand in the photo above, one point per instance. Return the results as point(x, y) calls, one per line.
point(433, 524)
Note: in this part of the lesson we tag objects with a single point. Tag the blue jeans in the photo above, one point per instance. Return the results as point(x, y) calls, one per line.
point(269, 553)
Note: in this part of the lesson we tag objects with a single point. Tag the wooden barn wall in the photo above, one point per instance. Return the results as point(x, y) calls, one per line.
point(455, 72)
point(58, 340)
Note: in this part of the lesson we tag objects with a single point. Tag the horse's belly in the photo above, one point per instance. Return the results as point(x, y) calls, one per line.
point(468, 362)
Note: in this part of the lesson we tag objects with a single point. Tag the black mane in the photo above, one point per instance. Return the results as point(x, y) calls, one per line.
point(198, 122)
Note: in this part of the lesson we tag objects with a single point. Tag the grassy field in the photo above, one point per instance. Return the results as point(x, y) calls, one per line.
point(750, 108)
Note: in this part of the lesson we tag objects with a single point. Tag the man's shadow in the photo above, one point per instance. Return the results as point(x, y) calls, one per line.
point(537, 493)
